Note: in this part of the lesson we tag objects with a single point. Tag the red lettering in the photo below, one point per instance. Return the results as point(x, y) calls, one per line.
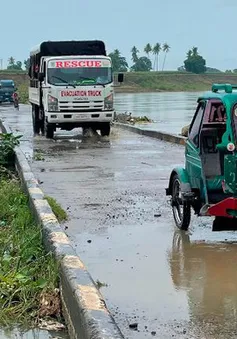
point(74, 63)
point(78, 63)
point(94, 93)
point(59, 64)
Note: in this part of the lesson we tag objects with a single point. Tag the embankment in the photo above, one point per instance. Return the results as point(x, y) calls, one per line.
point(149, 81)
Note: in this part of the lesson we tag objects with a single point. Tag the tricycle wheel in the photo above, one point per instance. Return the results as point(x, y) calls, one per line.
point(181, 208)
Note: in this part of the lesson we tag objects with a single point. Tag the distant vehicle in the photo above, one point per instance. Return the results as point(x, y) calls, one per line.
point(71, 85)
point(7, 88)
point(208, 182)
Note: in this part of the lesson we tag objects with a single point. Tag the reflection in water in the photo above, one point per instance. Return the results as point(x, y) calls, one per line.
point(208, 273)
point(32, 334)
point(170, 111)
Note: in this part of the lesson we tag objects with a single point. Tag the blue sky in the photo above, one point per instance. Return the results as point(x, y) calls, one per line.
point(122, 24)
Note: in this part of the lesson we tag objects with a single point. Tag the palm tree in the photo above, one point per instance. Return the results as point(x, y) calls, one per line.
point(189, 54)
point(134, 51)
point(148, 50)
point(165, 49)
point(11, 61)
point(195, 51)
point(119, 62)
point(156, 51)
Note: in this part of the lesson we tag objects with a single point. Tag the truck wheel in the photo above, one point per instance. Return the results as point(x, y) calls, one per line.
point(181, 208)
point(49, 131)
point(105, 129)
point(35, 121)
point(42, 127)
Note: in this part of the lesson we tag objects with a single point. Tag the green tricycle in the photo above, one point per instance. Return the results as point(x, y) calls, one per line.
point(208, 182)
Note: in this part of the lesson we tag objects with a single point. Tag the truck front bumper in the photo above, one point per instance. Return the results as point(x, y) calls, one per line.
point(79, 117)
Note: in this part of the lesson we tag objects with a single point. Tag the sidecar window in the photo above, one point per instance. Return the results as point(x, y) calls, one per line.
point(196, 124)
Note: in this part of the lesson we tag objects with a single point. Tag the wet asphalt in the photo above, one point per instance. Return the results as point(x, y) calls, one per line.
point(159, 282)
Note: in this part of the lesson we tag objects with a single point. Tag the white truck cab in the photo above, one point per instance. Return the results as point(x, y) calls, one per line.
point(74, 87)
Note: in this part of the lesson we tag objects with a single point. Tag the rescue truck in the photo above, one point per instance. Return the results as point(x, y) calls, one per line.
point(71, 85)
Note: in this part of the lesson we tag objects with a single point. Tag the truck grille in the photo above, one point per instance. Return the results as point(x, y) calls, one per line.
point(77, 106)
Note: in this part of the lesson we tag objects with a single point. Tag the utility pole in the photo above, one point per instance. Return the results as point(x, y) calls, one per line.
point(1, 64)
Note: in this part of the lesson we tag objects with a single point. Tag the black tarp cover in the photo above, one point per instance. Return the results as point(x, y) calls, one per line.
point(60, 48)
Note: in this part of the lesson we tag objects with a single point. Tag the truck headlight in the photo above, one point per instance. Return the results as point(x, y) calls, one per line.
point(109, 102)
point(52, 104)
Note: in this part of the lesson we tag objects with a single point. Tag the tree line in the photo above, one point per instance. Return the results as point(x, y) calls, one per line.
point(142, 63)
point(149, 61)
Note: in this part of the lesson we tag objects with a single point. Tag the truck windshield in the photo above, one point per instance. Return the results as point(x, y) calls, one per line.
point(8, 86)
point(80, 76)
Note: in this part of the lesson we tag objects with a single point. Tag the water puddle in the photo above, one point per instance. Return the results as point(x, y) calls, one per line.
point(32, 334)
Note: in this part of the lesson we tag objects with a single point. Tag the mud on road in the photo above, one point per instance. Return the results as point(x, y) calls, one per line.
point(157, 281)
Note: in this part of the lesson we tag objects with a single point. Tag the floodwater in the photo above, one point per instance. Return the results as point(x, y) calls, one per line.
point(168, 283)
point(169, 111)
point(32, 334)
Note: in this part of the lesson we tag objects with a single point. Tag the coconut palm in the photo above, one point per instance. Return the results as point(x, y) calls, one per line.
point(148, 50)
point(156, 51)
point(134, 51)
point(165, 49)
point(195, 51)
point(119, 62)
point(189, 54)
point(11, 61)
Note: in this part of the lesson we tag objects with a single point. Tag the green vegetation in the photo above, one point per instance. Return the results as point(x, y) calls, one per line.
point(23, 93)
point(57, 209)
point(147, 81)
point(38, 156)
point(119, 62)
point(195, 62)
point(143, 63)
point(7, 143)
point(28, 275)
point(171, 81)
point(14, 65)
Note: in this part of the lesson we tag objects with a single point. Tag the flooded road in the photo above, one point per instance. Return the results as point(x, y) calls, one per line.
point(170, 284)
point(32, 334)
point(169, 111)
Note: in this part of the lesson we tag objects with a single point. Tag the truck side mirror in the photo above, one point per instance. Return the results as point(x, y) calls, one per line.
point(120, 77)
point(41, 76)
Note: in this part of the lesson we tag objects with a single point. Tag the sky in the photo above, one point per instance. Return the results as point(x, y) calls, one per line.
point(208, 24)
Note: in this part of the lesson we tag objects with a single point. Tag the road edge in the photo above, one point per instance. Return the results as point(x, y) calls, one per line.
point(175, 139)
point(84, 307)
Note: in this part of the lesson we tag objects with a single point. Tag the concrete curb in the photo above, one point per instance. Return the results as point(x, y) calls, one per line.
point(84, 307)
point(175, 139)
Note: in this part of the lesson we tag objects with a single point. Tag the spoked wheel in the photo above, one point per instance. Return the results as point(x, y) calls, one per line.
point(181, 208)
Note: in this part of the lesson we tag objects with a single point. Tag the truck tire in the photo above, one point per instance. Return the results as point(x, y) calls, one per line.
point(41, 121)
point(48, 130)
point(35, 120)
point(105, 129)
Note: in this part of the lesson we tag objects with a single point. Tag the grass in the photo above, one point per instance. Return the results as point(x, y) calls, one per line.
point(173, 82)
point(61, 215)
point(143, 82)
point(23, 93)
point(28, 275)
point(38, 156)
